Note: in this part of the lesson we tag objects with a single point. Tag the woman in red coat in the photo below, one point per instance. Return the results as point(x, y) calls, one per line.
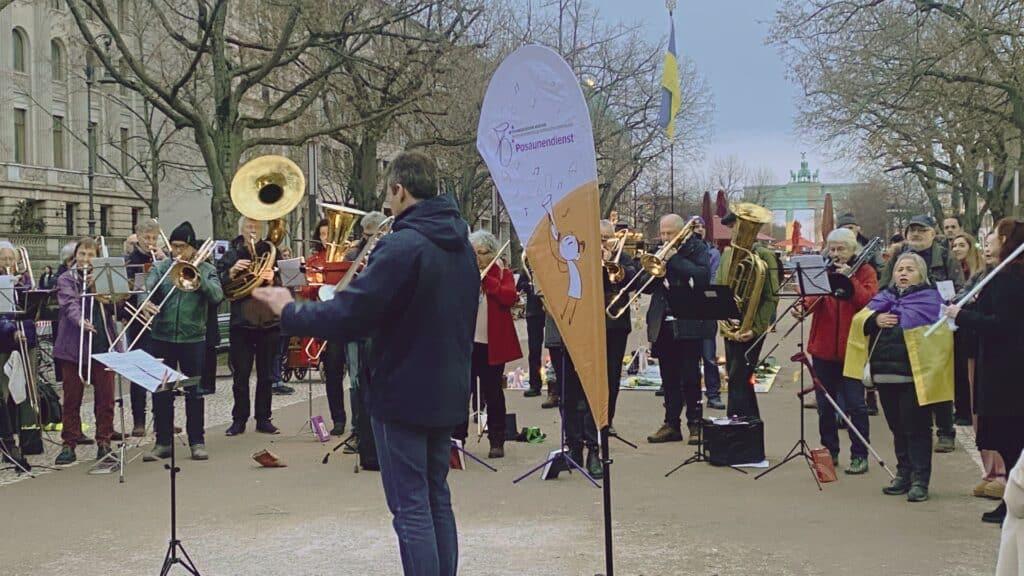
point(495, 341)
point(827, 347)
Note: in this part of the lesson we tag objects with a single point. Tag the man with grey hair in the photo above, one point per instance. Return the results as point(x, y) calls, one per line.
point(142, 255)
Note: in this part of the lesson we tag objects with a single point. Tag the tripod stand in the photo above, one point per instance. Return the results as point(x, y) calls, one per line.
point(801, 449)
point(698, 456)
point(174, 545)
point(307, 426)
point(563, 457)
point(116, 458)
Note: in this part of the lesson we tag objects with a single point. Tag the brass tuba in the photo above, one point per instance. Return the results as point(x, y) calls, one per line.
point(340, 222)
point(265, 189)
point(747, 271)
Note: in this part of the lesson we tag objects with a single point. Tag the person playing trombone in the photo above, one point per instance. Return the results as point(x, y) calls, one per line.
point(619, 270)
point(84, 320)
point(138, 260)
point(178, 337)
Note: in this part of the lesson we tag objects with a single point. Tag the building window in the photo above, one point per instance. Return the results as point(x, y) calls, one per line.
point(56, 61)
point(124, 152)
point(135, 217)
point(20, 50)
point(58, 142)
point(104, 220)
point(70, 209)
point(20, 136)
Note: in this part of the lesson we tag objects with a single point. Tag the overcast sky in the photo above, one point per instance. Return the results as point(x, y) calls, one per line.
point(755, 103)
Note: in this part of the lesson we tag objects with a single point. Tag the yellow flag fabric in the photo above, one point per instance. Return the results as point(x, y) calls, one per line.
point(565, 254)
point(931, 359)
point(671, 98)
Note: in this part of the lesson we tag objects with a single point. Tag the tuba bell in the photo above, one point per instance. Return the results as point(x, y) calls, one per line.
point(747, 272)
point(264, 189)
point(340, 222)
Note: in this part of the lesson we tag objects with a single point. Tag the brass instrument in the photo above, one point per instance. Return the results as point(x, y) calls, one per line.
point(655, 265)
point(340, 222)
point(23, 268)
point(632, 240)
point(616, 273)
point(327, 291)
point(264, 189)
point(486, 269)
point(747, 271)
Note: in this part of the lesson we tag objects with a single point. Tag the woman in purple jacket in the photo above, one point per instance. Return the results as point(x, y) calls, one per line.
point(66, 350)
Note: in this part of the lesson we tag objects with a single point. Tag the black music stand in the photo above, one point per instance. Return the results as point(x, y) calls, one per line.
point(174, 546)
point(816, 284)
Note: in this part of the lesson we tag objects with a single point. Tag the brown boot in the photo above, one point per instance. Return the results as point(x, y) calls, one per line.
point(665, 434)
point(694, 430)
point(497, 450)
point(551, 402)
point(139, 430)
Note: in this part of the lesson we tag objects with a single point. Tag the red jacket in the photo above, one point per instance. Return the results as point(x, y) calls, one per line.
point(831, 323)
point(502, 340)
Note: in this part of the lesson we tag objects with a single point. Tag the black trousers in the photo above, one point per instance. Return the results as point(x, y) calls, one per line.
point(577, 418)
point(742, 398)
point(248, 347)
point(961, 383)
point(679, 363)
point(188, 359)
point(334, 365)
point(492, 387)
point(535, 343)
point(137, 393)
point(911, 426)
point(943, 412)
point(616, 344)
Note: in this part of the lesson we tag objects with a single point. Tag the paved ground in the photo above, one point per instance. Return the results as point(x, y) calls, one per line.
point(316, 519)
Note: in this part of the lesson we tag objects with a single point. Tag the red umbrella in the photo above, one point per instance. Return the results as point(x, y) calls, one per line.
point(709, 222)
point(795, 238)
point(828, 222)
point(721, 204)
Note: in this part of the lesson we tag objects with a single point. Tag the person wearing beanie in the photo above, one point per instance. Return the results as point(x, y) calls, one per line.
point(251, 343)
point(178, 337)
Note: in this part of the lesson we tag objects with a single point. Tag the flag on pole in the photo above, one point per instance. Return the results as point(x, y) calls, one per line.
point(671, 99)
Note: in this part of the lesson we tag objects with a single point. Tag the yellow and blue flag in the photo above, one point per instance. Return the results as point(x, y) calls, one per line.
point(671, 99)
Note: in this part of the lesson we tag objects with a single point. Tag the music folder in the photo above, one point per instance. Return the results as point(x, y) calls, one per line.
point(713, 302)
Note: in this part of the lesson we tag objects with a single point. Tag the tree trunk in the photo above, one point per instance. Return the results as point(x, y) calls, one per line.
point(363, 185)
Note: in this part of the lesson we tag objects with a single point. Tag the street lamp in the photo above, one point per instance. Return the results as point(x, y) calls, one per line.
point(90, 72)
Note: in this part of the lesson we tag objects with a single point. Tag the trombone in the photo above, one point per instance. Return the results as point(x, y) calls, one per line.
point(616, 273)
point(22, 268)
point(655, 265)
point(184, 277)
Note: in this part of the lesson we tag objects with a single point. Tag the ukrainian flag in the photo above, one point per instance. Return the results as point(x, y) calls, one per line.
point(671, 99)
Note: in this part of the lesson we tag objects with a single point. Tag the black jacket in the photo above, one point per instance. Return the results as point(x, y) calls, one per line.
point(238, 249)
point(417, 298)
point(624, 323)
point(534, 303)
point(691, 262)
point(888, 348)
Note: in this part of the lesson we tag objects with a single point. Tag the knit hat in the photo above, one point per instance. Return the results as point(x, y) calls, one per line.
point(729, 219)
point(699, 220)
point(847, 220)
point(184, 233)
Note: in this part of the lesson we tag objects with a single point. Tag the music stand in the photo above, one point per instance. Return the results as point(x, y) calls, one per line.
point(808, 285)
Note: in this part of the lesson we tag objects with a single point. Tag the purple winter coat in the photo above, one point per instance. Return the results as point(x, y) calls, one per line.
point(69, 297)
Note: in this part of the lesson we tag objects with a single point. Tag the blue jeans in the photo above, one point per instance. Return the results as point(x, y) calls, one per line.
point(849, 395)
point(712, 381)
point(414, 470)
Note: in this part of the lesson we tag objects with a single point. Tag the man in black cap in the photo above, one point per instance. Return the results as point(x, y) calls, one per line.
point(178, 337)
point(942, 265)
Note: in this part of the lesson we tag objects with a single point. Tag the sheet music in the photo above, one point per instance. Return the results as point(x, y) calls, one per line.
point(111, 276)
point(139, 367)
point(7, 298)
point(291, 273)
point(813, 275)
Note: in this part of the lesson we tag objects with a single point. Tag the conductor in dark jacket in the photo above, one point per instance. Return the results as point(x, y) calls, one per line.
point(417, 297)
point(677, 342)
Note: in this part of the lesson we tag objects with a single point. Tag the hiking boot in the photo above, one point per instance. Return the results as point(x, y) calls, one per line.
point(979, 489)
point(236, 428)
point(694, 430)
point(267, 427)
point(917, 493)
point(138, 431)
point(996, 516)
point(660, 391)
point(199, 452)
point(716, 404)
point(531, 393)
point(84, 440)
point(497, 451)
point(665, 434)
point(339, 429)
point(157, 453)
point(102, 452)
point(282, 390)
point(550, 402)
point(872, 402)
point(66, 456)
point(594, 467)
point(857, 466)
point(898, 486)
point(117, 436)
point(352, 446)
point(945, 444)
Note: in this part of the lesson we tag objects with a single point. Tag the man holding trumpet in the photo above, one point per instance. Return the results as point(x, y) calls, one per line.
point(178, 333)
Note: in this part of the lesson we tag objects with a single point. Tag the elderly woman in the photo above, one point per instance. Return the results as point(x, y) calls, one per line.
point(495, 341)
point(827, 345)
point(908, 302)
point(996, 317)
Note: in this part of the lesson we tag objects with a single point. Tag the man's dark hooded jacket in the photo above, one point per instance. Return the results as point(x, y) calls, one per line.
point(417, 298)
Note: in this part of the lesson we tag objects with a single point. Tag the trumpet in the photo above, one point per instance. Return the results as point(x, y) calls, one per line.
point(655, 265)
point(616, 273)
point(184, 276)
point(327, 291)
point(486, 269)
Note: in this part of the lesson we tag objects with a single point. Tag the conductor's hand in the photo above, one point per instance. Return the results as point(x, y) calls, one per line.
point(275, 298)
point(888, 320)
